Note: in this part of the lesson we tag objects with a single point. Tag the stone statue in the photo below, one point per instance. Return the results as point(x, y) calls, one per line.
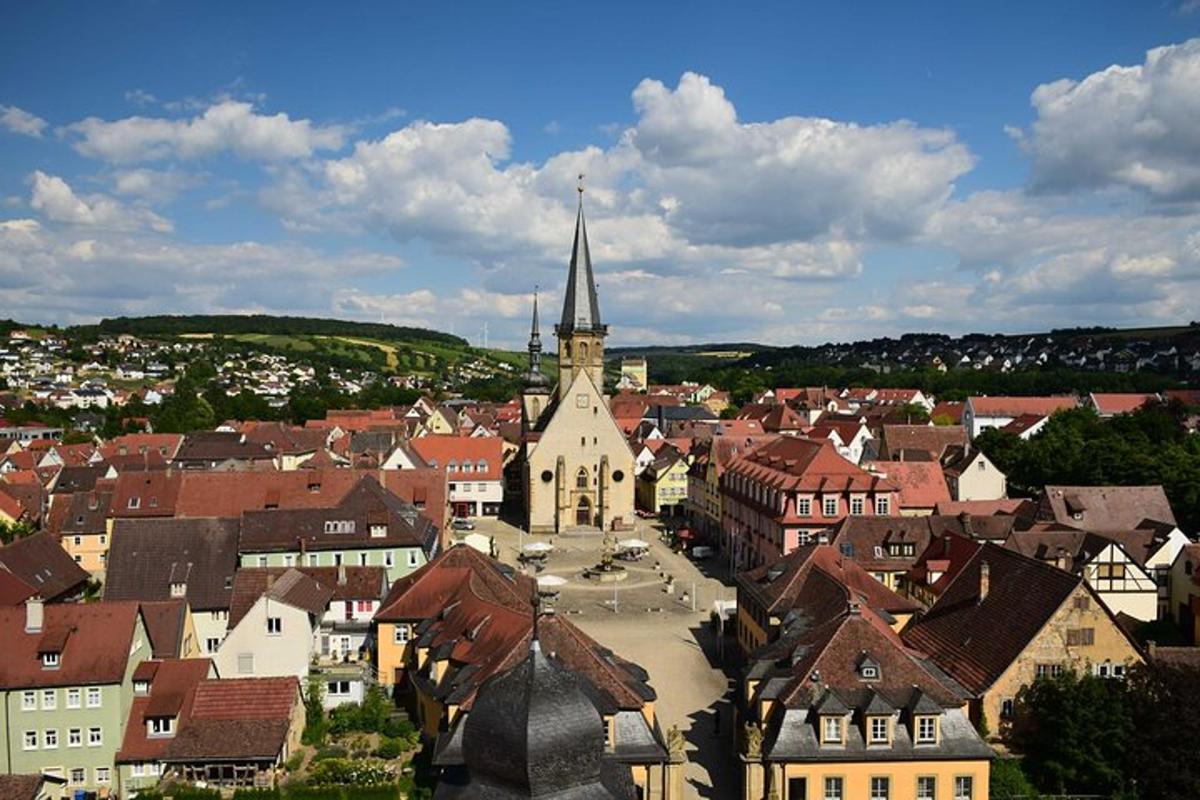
point(752, 737)
point(675, 740)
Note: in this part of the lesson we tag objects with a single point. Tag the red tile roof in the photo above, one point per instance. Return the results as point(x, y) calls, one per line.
point(41, 562)
point(793, 463)
point(173, 684)
point(1109, 403)
point(1016, 406)
point(96, 640)
point(443, 450)
point(922, 484)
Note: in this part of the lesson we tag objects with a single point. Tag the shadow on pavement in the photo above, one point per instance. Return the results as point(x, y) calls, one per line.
point(711, 733)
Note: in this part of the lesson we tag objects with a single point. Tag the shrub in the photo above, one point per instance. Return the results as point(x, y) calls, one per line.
point(342, 772)
point(330, 751)
point(257, 794)
point(389, 748)
point(295, 762)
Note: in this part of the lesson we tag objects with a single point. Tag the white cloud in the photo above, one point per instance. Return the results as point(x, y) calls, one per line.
point(1135, 127)
point(140, 97)
point(54, 197)
point(227, 126)
point(152, 185)
point(20, 121)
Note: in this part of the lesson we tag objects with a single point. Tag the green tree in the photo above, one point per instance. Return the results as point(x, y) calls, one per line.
point(1164, 702)
point(1007, 781)
point(1074, 732)
point(316, 726)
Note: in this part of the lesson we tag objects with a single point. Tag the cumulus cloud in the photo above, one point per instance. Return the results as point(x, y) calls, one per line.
point(55, 198)
point(229, 126)
point(18, 120)
point(153, 185)
point(1134, 127)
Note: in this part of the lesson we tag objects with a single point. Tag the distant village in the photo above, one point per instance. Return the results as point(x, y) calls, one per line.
point(422, 596)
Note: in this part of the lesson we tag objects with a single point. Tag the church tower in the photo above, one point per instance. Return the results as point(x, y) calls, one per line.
point(535, 392)
point(580, 332)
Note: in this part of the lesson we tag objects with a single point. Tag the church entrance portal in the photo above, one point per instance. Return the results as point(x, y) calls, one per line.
point(583, 512)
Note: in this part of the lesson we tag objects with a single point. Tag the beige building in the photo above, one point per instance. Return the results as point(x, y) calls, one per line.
point(970, 475)
point(577, 469)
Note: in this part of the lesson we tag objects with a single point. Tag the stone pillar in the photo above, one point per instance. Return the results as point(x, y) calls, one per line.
point(560, 492)
point(602, 493)
point(753, 779)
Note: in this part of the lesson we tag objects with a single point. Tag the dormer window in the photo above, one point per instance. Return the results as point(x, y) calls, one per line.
point(831, 730)
point(927, 729)
point(879, 730)
point(870, 672)
point(51, 660)
point(178, 589)
point(868, 668)
point(135, 502)
point(141, 687)
point(160, 726)
point(378, 531)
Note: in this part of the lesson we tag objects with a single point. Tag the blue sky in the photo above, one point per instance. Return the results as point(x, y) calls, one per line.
point(793, 172)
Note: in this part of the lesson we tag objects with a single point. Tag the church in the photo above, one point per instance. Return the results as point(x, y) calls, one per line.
point(576, 466)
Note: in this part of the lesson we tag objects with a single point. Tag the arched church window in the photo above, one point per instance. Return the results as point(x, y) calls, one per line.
point(583, 352)
point(581, 479)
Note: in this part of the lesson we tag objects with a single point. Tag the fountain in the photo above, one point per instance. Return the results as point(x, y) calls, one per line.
point(607, 571)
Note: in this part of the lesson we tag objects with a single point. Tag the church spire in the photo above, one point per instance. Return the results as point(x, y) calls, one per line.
point(534, 379)
point(581, 308)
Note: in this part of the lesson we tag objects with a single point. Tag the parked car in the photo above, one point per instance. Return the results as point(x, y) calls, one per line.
point(461, 524)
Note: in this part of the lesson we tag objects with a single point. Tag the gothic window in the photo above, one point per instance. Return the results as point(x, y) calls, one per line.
point(581, 479)
point(583, 352)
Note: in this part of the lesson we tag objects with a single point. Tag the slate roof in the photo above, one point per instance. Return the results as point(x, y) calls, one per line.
point(78, 478)
point(146, 556)
point(40, 562)
point(94, 641)
point(976, 640)
point(581, 308)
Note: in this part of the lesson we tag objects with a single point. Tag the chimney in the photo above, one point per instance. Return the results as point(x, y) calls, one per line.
point(34, 614)
point(946, 546)
point(1151, 648)
point(341, 574)
point(985, 580)
point(968, 529)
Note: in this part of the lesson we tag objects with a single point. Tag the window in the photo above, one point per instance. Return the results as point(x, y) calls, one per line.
point(1081, 637)
point(926, 787)
point(178, 589)
point(982, 464)
point(1048, 670)
point(830, 506)
point(289, 559)
point(881, 788)
point(50, 739)
point(75, 737)
point(160, 726)
point(835, 789)
point(134, 502)
point(581, 479)
point(73, 698)
point(93, 697)
point(312, 559)
point(95, 737)
point(926, 730)
point(137, 770)
point(831, 730)
point(964, 787)
point(856, 505)
point(1112, 572)
point(401, 635)
point(362, 559)
point(50, 660)
point(262, 561)
point(883, 505)
point(338, 687)
point(78, 775)
point(29, 701)
point(102, 775)
point(141, 687)
point(879, 730)
point(378, 531)
point(1006, 708)
point(211, 644)
point(245, 662)
point(412, 558)
point(30, 740)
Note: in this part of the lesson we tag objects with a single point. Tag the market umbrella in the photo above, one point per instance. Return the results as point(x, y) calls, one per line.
point(550, 581)
point(538, 547)
point(633, 544)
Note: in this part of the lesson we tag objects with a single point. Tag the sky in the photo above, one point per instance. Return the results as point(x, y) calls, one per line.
point(786, 173)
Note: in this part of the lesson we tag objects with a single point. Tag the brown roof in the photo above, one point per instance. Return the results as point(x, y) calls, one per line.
point(13, 590)
point(794, 463)
point(814, 577)
point(951, 409)
point(164, 620)
point(1105, 508)
point(24, 787)
point(974, 639)
point(93, 640)
point(236, 718)
point(173, 684)
point(367, 506)
point(281, 438)
point(932, 439)
point(146, 556)
point(1016, 506)
point(345, 583)
point(165, 444)
point(866, 539)
point(291, 585)
point(425, 592)
point(922, 483)
point(209, 446)
point(40, 561)
point(83, 512)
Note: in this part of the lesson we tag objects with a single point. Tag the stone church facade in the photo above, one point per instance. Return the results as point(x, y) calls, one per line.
point(577, 467)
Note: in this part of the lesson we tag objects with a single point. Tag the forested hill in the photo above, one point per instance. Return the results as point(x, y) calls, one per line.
point(235, 324)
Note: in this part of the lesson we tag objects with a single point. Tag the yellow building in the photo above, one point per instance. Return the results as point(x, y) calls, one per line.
point(84, 526)
point(841, 710)
point(663, 485)
point(1051, 621)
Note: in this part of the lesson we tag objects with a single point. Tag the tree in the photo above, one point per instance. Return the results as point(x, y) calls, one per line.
point(1164, 703)
point(1007, 781)
point(10, 531)
point(1074, 732)
point(914, 413)
point(316, 726)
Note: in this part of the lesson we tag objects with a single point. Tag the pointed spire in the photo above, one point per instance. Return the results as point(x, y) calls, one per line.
point(581, 308)
point(534, 379)
point(535, 338)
